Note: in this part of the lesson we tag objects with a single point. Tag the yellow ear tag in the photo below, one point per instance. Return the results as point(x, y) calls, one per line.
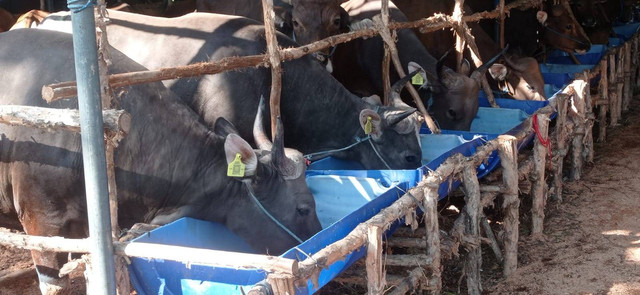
point(368, 127)
point(417, 79)
point(236, 167)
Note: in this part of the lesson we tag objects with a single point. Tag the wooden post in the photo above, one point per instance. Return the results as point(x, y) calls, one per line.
point(411, 283)
point(375, 270)
point(538, 191)
point(458, 9)
point(381, 23)
point(614, 115)
point(603, 91)
point(621, 60)
point(473, 262)
point(282, 284)
point(430, 205)
point(628, 91)
point(579, 119)
point(590, 117)
point(488, 232)
point(274, 60)
point(501, 8)
point(560, 141)
point(507, 151)
point(386, 81)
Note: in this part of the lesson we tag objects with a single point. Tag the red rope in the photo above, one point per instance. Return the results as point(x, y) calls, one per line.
point(545, 142)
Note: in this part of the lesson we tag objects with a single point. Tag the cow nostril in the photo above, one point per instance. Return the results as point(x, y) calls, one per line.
point(411, 159)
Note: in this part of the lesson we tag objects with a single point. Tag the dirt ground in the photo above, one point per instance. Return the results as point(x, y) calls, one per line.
point(591, 242)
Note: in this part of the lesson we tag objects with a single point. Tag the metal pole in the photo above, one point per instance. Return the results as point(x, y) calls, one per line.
point(102, 280)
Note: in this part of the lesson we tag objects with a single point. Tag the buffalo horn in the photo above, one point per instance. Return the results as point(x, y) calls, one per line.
point(261, 138)
point(479, 72)
point(394, 92)
point(278, 157)
point(393, 119)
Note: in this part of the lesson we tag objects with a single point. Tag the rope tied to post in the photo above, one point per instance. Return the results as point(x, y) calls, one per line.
point(77, 6)
point(545, 142)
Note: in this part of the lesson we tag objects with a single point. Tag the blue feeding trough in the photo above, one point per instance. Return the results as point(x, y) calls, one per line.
point(590, 57)
point(359, 199)
point(625, 32)
point(561, 74)
point(505, 101)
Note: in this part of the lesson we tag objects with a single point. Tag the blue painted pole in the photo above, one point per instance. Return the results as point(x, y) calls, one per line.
point(102, 280)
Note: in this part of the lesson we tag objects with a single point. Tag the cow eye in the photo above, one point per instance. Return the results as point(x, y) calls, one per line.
point(451, 113)
point(569, 27)
point(303, 211)
point(295, 23)
point(336, 21)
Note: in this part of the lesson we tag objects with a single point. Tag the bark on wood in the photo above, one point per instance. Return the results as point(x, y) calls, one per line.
point(588, 140)
point(604, 95)
point(621, 59)
point(282, 284)
point(60, 119)
point(422, 260)
point(381, 24)
point(386, 81)
point(614, 115)
point(375, 270)
point(414, 282)
point(410, 233)
point(560, 145)
point(627, 77)
point(538, 192)
point(458, 9)
point(473, 262)
point(432, 238)
point(508, 161)
point(501, 9)
point(274, 60)
point(488, 232)
point(579, 118)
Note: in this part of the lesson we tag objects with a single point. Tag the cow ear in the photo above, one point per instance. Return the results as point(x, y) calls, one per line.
point(373, 100)
point(498, 72)
point(282, 16)
point(374, 128)
point(414, 66)
point(542, 17)
point(465, 67)
point(234, 145)
point(223, 127)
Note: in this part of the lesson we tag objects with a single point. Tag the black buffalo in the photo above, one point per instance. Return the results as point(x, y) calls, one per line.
point(169, 165)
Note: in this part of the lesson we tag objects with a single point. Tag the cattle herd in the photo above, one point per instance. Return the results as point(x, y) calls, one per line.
point(184, 133)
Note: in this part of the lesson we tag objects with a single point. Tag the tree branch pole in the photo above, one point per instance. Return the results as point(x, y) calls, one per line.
point(274, 60)
point(381, 24)
point(614, 115)
point(374, 265)
point(538, 191)
point(115, 121)
point(603, 92)
point(501, 9)
point(458, 9)
point(473, 262)
point(508, 153)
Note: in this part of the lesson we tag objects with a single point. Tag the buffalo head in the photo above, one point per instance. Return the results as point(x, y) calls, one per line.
point(453, 96)
point(562, 30)
point(275, 176)
point(585, 12)
point(391, 126)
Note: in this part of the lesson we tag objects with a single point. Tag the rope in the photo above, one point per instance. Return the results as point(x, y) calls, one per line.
point(565, 36)
point(358, 141)
point(76, 7)
point(253, 196)
point(545, 142)
point(378, 153)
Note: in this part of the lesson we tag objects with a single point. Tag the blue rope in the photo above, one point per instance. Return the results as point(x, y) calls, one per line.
point(76, 7)
point(565, 36)
point(253, 196)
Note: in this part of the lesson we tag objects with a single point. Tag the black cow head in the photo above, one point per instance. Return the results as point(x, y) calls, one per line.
point(276, 177)
point(585, 12)
point(313, 20)
point(520, 78)
point(562, 30)
point(454, 96)
point(391, 126)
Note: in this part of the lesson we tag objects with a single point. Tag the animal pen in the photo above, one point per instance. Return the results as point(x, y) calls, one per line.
point(487, 162)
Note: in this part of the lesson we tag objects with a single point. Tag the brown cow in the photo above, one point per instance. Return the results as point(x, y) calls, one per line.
point(6, 20)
